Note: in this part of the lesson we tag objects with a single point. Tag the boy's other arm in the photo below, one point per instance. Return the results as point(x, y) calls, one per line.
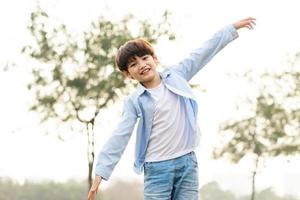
point(114, 147)
point(188, 67)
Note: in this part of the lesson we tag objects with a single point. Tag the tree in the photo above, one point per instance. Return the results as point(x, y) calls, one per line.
point(212, 191)
point(75, 80)
point(269, 194)
point(273, 125)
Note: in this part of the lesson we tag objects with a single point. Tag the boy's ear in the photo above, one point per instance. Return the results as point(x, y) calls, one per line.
point(155, 58)
point(127, 74)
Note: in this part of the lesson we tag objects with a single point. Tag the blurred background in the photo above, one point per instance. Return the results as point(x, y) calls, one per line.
point(62, 97)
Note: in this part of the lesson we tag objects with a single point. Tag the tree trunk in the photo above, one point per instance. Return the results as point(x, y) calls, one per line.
point(253, 177)
point(90, 151)
point(90, 179)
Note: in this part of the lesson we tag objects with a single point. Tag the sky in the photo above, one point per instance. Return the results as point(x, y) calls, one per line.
point(29, 150)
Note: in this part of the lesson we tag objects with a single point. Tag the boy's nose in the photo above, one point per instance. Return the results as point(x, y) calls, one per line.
point(142, 64)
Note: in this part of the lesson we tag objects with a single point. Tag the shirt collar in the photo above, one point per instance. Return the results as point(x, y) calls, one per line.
point(141, 89)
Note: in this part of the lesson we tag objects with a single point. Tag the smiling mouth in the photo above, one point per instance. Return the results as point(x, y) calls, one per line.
point(145, 71)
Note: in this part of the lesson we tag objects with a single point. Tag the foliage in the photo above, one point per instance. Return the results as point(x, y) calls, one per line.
point(73, 190)
point(76, 76)
point(273, 124)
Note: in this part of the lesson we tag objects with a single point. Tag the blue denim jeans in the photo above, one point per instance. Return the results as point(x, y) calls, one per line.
point(175, 179)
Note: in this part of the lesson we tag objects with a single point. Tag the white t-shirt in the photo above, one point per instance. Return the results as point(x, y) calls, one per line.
point(168, 137)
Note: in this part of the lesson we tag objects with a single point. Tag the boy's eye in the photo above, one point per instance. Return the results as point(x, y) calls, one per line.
point(132, 64)
point(145, 57)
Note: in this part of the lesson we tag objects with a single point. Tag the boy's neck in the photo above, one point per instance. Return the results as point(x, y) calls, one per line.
point(154, 83)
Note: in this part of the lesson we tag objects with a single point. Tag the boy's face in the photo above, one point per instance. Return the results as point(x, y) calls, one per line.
point(142, 69)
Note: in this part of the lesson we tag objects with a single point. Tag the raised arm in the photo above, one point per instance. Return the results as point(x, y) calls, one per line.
point(188, 67)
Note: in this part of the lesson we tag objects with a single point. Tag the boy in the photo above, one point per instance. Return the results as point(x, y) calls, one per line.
point(167, 132)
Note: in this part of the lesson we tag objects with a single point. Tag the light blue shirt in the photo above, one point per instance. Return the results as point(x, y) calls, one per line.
point(139, 106)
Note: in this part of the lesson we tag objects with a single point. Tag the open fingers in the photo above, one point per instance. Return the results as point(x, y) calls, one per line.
point(248, 23)
point(91, 195)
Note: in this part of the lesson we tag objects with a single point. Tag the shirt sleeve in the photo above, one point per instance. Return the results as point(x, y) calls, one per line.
point(188, 67)
point(115, 146)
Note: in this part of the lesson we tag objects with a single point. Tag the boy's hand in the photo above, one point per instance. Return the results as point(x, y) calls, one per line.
point(94, 188)
point(248, 23)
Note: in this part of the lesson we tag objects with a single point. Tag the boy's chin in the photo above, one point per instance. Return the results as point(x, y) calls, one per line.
point(146, 79)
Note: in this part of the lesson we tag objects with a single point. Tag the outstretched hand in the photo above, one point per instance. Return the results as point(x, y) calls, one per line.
point(245, 23)
point(94, 188)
